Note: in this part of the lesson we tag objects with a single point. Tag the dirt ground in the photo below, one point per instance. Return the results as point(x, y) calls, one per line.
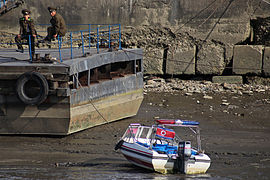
point(235, 133)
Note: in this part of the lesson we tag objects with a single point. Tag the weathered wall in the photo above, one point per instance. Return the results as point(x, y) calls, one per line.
point(215, 26)
point(146, 12)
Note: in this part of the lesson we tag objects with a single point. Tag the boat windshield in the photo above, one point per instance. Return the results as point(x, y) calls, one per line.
point(156, 134)
point(150, 135)
point(139, 133)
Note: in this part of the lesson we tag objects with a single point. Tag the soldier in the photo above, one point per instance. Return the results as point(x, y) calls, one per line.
point(27, 28)
point(58, 27)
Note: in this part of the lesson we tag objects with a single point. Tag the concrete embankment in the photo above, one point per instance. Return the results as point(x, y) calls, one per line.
point(178, 37)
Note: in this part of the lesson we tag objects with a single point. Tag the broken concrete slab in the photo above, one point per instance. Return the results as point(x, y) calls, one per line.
point(247, 59)
point(153, 61)
point(228, 79)
point(210, 58)
point(181, 61)
point(266, 61)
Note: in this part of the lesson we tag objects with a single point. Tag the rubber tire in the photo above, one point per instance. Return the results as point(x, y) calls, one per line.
point(40, 80)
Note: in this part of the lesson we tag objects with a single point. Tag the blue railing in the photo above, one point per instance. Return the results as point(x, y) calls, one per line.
point(89, 36)
point(4, 2)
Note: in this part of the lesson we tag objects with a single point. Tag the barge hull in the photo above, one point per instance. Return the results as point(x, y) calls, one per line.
point(106, 110)
point(60, 119)
point(72, 96)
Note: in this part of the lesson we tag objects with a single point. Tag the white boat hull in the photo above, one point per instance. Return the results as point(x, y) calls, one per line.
point(144, 157)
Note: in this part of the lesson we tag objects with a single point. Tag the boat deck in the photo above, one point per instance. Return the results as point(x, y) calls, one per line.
point(10, 58)
point(11, 55)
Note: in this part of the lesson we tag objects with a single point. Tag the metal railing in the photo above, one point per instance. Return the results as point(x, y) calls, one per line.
point(3, 3)
point(95, 36)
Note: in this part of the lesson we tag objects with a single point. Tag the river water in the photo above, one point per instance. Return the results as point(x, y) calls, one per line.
point(99, 172)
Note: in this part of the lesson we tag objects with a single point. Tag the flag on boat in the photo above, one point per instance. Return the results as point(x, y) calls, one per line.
point(165, 133)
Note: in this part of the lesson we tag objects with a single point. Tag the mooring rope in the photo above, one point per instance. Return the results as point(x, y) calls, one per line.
point(90, 101)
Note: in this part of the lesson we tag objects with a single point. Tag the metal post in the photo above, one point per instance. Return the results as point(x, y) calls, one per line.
point(89, 35)
point(198, 134)
point(59, 46)
point(120, 47)
point(82, 43)
point(77, 80)
point(97, 39)
point(109, 36)
point(30, 49)
point(89, 77)
point(71, 54)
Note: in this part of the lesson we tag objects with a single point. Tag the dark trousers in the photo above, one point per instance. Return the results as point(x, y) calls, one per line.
point(50, 32)
point(18, 41)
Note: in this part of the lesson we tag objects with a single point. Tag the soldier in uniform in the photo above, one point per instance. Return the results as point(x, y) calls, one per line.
point(27, 28)
point(58, 27)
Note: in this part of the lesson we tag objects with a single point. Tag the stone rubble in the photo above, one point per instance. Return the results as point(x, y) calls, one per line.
point(190, 87)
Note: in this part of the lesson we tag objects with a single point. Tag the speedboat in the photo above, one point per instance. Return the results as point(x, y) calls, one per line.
point(159, 148)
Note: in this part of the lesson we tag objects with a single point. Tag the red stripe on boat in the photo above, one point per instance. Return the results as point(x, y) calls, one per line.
point(137, 150)
point(138, 161)
point(165, 121)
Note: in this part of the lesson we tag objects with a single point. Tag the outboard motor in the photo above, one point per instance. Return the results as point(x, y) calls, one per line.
point(184, 152)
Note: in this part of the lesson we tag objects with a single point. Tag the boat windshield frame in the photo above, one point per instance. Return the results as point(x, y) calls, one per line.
point(147, 134)
point(193, 128)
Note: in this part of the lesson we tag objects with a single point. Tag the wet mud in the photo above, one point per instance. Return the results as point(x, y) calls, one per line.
point(235, 132)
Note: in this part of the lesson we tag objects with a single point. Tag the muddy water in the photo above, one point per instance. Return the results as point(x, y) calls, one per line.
point(235, 136)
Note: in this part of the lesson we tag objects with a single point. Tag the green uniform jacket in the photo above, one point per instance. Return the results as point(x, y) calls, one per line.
point(27, 26)
point(59, 25)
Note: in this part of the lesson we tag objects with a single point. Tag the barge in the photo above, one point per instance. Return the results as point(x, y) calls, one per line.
point(52, 97)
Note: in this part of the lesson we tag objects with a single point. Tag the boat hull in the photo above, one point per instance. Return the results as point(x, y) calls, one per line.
point(81, 93)
point(145, 158)
point(162, 163)
point(105, 110)
point(62, 119)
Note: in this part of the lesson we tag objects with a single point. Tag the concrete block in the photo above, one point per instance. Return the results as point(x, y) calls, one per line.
point(181, 61)
point(211, 58)
point(247, 59)
point(228, 79)
point(153, 61)
point(266, 61)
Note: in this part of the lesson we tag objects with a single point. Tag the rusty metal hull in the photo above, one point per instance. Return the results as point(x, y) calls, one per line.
point(62, 119)
point(82, 93)
point(109, 109)
point(48, 118)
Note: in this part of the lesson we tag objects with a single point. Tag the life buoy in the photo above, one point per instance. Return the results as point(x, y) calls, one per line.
point(32, 88)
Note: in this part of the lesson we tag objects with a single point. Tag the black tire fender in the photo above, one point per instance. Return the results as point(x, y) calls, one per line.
point(39, 80)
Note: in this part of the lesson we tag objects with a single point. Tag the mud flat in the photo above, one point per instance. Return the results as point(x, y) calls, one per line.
point(235, 134)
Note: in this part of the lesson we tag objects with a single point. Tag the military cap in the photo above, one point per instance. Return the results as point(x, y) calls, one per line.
point(26, 12)
point(51, 9)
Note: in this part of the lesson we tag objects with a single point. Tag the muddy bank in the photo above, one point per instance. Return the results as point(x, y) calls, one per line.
point(236, 138)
